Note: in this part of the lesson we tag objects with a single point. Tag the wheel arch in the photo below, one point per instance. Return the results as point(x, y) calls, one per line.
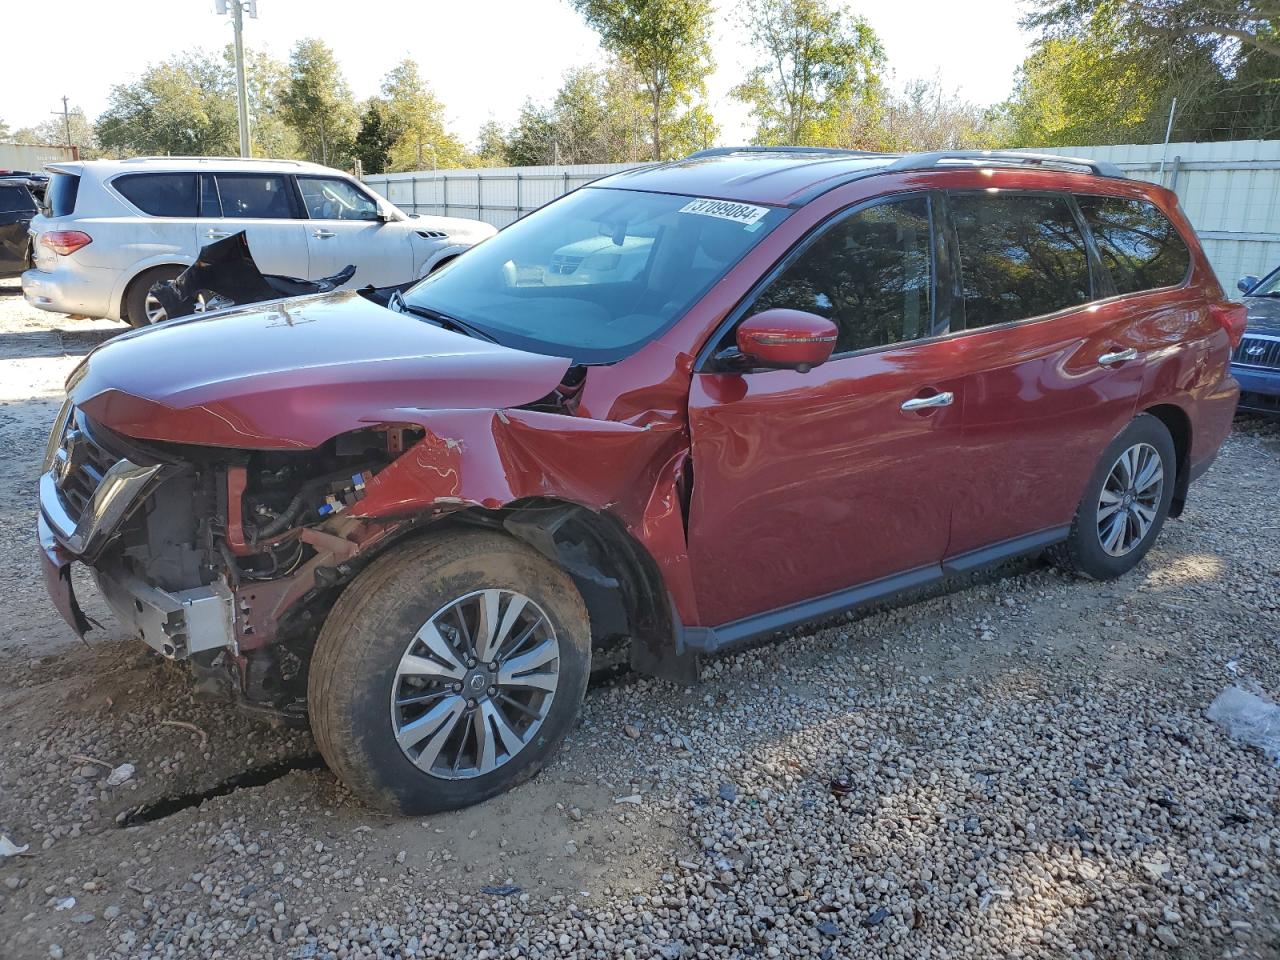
point(120, 298)
point(1178, 423)
point(619, 580)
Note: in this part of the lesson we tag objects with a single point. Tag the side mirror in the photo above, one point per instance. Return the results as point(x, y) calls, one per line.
point(1245, 284)
point(786, 339)
point(385, 215)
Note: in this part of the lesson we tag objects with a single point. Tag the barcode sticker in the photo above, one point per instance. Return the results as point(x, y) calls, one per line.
point(744, 213)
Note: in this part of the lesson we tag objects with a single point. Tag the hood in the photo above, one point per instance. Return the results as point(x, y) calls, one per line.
point(1264, 315)
point(293, 373)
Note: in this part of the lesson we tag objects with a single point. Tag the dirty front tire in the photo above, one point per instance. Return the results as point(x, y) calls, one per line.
point(1087, 550)
point(417, 609)
point(135, 300)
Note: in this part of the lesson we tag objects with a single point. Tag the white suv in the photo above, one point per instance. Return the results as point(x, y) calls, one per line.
point(111, 229)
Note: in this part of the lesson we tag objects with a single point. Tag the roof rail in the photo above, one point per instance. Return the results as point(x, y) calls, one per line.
point(830, 151)
point(213, 159)
point(924, 161)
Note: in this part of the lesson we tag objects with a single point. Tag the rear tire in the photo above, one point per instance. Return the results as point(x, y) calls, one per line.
point(135, 300)
point(400, 713)
point(1124, 505)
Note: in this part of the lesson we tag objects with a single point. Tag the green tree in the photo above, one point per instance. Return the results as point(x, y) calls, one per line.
point(415, 118)
point(4, 130)
point(491, 144)
point(178, 106)
point(1109, 70)
point(373, 142)
point(819, 66)
point(318, 105)
point(666, 43)
point(532, 139)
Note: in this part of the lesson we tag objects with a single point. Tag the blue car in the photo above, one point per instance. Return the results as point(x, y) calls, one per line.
point(1256, 362)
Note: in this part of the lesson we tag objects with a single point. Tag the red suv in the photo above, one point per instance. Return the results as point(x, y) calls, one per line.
point(688, 406)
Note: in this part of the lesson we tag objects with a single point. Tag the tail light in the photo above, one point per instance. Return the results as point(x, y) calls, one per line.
point(65, 242)
point(1233, 317)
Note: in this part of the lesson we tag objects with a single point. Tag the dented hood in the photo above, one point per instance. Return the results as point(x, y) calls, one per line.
point(294, 373)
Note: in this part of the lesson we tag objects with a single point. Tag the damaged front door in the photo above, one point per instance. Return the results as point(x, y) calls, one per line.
point(806, 484)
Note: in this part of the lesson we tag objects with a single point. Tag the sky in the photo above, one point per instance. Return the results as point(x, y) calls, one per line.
point(482, 57)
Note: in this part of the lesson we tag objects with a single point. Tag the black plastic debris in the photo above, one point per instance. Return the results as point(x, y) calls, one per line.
point(504, 890)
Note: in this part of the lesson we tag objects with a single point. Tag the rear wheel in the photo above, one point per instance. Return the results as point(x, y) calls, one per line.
point(448, 672)
point(1125, 503)
point(141, 307)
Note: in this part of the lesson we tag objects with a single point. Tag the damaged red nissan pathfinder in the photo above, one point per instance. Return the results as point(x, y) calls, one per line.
point(684, 407)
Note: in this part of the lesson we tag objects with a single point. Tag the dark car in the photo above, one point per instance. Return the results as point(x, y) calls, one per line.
point(1256, 361)
point(17, 207)
point(789, 383)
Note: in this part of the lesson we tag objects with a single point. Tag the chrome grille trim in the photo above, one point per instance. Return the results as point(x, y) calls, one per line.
point(1258, 350)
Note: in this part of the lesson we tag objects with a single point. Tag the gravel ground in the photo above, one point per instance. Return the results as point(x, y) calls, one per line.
point(1020, 766)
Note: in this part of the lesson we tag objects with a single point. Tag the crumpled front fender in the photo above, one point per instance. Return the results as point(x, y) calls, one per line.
point(493, 458)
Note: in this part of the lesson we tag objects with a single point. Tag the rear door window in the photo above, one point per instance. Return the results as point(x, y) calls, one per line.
point(1021, 256)
point(870, 273)
point(60, 198)
point(1140, 248)
point(160, 194)
point(255, 196)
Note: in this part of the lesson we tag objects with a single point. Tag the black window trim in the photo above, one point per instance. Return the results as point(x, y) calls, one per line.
point(300, 200)
point(213, 179)
point(1191, 260)
point(155, 173)
point(940, 261)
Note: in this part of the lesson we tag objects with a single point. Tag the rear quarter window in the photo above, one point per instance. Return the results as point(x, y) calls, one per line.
point(1139, 247)
point(160, 194)
point(60, 198)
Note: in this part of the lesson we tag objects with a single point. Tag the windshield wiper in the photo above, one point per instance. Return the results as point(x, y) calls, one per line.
point(397, 303)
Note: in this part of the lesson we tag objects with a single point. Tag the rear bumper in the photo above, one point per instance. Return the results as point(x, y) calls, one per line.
point(85, 290)
point(1259, 389)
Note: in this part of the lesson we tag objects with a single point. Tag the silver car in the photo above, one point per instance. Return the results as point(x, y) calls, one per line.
point(111, 229)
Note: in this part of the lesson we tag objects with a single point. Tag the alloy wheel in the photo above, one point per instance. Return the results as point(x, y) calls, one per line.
point(475, 684)
point(1130, 499)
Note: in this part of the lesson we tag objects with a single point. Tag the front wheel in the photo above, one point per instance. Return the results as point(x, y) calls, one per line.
point(1125, 503)
point(448, 672)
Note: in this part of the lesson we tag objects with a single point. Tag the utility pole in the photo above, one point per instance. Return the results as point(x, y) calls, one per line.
point(237, 9)
point(66, 118)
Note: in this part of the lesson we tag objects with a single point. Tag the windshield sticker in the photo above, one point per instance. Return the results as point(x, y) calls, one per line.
point(743, 213)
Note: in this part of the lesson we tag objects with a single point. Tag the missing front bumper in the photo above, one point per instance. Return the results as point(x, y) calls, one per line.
point(175, 624)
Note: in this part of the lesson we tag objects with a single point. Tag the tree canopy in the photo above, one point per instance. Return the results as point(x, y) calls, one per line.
point(819, 65)
point(1110, 71)
point(667, 45)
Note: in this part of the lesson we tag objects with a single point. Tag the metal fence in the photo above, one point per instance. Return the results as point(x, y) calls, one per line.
point(497, 195)
point(1230, 191)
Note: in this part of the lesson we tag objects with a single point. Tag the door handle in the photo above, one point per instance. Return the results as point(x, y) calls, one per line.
point(323, 234)
point(217, 234)
point(925, 403)
point(1118, 357)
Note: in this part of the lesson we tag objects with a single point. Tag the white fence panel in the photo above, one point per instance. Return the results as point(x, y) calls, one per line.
point(497, 195)
point(1230, 192)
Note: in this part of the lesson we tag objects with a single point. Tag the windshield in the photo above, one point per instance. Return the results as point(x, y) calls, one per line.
point(596, 274)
